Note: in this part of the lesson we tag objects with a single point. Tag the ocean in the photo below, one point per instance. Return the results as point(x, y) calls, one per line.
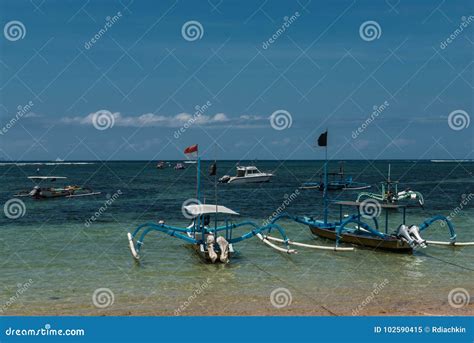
point(60, 253)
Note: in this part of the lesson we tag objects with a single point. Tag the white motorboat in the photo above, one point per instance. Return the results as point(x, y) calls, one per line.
point(247, 175)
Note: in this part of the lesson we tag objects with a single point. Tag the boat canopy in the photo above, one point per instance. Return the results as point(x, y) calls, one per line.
point(246, 168)
point(199, 209)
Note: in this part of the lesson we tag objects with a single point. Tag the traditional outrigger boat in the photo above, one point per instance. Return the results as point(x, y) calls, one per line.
point(390, 195)
point(354, 229)
point(336, 181)
point(40, 191)
point(214, 238)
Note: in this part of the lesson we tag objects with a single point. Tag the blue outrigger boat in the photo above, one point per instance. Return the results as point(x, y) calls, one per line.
point(354, 228)
point(335, 181)
point(214, 238)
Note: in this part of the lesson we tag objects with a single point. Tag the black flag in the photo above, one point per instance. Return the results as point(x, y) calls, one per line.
point(213, 169)
point(323, 139)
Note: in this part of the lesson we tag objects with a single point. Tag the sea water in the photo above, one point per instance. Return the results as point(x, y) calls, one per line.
point(61, 253)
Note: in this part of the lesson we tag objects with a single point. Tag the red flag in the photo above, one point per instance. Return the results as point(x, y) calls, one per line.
point(191, 149)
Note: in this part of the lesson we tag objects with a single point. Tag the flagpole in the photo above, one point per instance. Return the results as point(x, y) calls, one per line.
point(215, 187)
point(198, 169)
point(325, 192)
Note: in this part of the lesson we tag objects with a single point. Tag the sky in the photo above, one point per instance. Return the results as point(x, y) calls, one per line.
point(119, 80)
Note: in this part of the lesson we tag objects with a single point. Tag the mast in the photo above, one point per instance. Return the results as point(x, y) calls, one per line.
point(325, 192)
point(215, 187)
point(389, 181)
point(198, 178)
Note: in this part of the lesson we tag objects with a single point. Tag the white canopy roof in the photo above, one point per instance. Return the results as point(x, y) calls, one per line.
point(198, 209)
point(247, 167)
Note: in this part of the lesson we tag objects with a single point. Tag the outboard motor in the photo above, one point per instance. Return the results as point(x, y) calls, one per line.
point(224, 247)
point(35, 192)
point(210, 248)
point(224, 179)
point(414, 232)
point(404, 233)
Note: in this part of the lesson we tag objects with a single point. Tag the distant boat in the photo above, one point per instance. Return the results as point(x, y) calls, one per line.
point(336, 182)
point(58, 160)
point(161, 165)
point(41, 192)
point(390, 194)
point(179, 166)
point(248, 174)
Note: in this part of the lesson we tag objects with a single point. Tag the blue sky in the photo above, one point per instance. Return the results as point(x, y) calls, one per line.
point(319, 72)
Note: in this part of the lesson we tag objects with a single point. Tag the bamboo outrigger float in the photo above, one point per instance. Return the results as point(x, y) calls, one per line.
point(214, 238)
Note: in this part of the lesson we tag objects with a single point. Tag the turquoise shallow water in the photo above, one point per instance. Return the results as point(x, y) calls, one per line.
point(67, 261)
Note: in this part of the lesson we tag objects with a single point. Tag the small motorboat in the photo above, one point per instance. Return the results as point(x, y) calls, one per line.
point(40, 191)
point(161, 165)
point(179, 166)
point(247, 175)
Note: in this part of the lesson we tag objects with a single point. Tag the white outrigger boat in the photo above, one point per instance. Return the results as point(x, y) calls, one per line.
point(247, 174)
point(39, 191)
point(212, 235)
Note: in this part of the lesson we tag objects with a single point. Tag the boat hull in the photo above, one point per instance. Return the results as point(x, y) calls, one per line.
point(250, 179)
point(392, 244)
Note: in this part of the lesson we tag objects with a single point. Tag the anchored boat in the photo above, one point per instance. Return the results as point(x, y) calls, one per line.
point(44, 189)
point(390, 194)
point(249, 174)
point(357, 229)
point(212, 230)
point(336, 181)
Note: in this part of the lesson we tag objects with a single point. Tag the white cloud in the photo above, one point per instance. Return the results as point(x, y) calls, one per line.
point(178, 120)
